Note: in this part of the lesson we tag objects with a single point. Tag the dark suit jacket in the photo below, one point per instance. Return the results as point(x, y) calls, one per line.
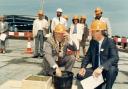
point(108, 54)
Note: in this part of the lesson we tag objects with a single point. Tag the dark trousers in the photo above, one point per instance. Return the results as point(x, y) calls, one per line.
point(39, 42)
point(3, 44)
point(109, 77)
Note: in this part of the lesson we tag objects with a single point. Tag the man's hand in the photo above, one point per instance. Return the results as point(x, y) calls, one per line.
point(82, 72)
point(97, 72)
point(58, 72)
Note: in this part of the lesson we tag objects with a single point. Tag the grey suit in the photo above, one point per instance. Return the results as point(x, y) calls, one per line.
point(3, 29)
point(51, 50)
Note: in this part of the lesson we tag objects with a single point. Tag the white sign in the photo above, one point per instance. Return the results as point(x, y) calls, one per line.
point(3, 37)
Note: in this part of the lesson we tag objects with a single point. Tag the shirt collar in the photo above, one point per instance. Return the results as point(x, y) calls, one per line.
point(101, 41)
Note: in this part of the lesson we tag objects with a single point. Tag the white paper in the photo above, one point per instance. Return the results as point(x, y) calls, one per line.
point(91, 82)
point(3, 37)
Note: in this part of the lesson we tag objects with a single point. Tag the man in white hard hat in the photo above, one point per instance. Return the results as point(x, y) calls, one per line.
point(58, 19)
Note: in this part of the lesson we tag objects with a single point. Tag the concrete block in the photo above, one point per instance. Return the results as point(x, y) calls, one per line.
point(37, 82)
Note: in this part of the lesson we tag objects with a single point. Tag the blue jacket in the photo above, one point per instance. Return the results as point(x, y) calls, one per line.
point(108, 55)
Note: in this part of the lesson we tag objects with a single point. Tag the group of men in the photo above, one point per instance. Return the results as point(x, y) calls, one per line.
point(62, 47)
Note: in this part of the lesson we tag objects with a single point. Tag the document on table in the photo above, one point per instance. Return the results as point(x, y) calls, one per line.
point(91, 82)
point(3, 37)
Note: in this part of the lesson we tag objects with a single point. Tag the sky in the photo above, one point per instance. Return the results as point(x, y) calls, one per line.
point(115, 10)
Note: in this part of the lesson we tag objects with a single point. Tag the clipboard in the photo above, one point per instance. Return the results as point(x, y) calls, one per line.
point(3, 36)
point(91, 82)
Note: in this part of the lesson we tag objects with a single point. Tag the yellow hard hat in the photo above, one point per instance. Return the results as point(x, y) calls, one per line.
point(65, 16)
point(98, 25)
point(40, 12)
point(83, 17)
point(98, 10)
point(75, 17)
point(60, 28)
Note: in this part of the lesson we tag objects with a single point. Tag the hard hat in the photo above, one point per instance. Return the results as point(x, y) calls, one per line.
point(59, 10)
point(75, 17)
point(98, 25)
point(60, 28)
point(98, 10)
point(83, 17)
point(65, 16)
point(40, 12)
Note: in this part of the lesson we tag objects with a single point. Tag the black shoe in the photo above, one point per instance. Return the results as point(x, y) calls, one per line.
point(41, 55)
point(35, 56)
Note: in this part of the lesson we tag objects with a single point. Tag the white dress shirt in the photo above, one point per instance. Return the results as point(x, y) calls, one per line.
point(39, 25)
point(100, 44)
point(56, 21)
point(2, 25)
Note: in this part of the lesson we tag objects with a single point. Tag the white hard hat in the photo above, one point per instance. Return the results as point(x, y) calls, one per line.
point(59, 10)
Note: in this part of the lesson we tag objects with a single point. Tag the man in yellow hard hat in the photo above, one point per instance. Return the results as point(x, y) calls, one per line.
point(65, 17)
point(98, 16)
point(103, 56)
point(55, 49)
point(40, 26)
point(85, 33)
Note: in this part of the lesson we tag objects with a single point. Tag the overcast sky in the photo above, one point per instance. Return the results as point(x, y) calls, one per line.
point(115, 10)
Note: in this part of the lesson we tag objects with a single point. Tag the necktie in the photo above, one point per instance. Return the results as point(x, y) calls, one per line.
point(59, 46)
point(59, 58)
point(75, 29)
point(97, 55)
point(59, 19)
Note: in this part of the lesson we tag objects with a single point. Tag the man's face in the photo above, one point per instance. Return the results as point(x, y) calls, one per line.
point(97, 35)
point(82, 21)
point(98, 14)
point(59, 14)
point(59, 36)
point(40, 16)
